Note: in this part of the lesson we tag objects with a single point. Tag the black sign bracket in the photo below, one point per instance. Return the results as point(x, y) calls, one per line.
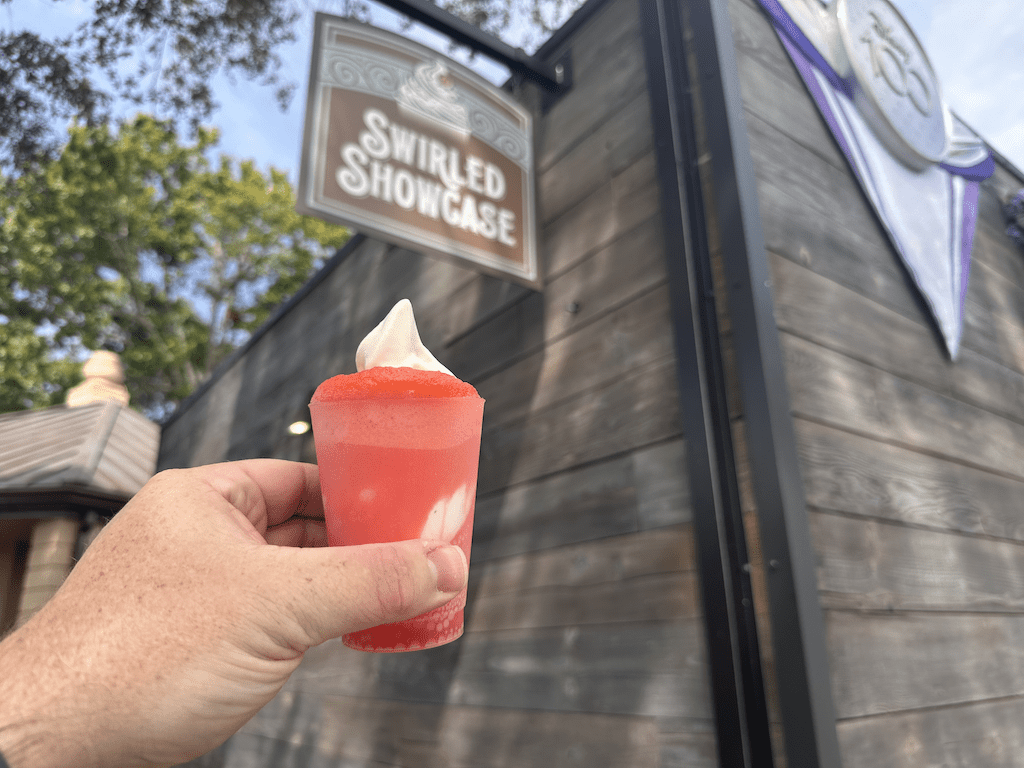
point(554, 77)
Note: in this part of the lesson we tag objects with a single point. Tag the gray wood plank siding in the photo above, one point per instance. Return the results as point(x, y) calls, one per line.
point(913, 465)
point(584, 642)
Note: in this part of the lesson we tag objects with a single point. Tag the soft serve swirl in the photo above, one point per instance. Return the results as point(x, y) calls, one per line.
point(395, 343)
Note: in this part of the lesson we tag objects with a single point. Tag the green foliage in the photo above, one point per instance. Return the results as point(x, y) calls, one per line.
point(128, 239)
point(133, 242)
point(28, 373)
point(163, 53)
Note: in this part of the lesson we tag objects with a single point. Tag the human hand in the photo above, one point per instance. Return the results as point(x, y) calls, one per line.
point(190, 610)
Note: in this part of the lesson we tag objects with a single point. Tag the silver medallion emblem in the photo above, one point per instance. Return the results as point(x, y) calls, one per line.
point(896, 88)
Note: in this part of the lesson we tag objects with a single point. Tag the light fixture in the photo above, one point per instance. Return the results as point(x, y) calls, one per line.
point(299, 427)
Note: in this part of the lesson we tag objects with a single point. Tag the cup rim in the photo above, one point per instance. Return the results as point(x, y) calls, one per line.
point(341, 400)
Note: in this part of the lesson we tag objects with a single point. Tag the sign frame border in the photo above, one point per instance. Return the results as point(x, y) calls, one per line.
point(388, 231)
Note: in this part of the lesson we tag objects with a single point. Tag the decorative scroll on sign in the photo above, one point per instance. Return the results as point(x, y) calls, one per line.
point(411, 147)
point(918, 164)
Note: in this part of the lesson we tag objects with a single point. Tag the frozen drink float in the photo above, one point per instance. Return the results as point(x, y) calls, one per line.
point(398, 445)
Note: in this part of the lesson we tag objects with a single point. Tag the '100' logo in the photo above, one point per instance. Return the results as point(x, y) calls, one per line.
point(891, 61)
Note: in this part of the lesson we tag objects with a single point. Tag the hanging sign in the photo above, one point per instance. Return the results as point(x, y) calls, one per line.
point(918, 164)
point(412, 148)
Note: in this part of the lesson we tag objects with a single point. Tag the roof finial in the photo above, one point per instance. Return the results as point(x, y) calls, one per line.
point(104, 377)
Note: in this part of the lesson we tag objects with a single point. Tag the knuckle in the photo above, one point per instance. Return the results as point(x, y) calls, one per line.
point(164, 481)
point(395, 585)
point(165, 476)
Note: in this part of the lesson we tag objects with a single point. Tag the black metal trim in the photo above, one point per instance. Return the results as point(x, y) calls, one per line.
point(553, 77)
point(737, 685)
point(800, 651)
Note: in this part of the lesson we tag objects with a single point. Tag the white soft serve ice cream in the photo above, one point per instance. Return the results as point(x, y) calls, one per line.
point(395, 343)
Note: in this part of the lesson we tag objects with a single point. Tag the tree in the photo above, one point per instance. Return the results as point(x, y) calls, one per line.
point(131, 241)
point(159, 52)
point(164, 54)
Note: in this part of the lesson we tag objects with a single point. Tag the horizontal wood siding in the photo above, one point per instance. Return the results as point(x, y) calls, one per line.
point(584, 636)
point(913, 465)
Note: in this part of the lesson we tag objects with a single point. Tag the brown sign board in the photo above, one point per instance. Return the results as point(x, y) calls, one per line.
point(410, 147)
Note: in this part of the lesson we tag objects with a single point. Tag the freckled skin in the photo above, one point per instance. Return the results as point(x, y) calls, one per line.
point(189, 612)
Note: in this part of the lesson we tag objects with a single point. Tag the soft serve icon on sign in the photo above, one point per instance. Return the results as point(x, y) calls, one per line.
point(430, 94)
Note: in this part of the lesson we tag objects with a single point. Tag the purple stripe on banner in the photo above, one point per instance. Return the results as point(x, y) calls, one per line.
point(978, 172)
point(796, 41)
point(789, 30)
point(955, 255)
point(970, 218)
point(844, 136)
point(806, 70)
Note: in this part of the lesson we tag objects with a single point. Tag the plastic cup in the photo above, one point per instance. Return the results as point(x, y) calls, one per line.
point(393, 469)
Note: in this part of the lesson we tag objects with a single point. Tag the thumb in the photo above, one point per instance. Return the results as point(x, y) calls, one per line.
point(329, 591)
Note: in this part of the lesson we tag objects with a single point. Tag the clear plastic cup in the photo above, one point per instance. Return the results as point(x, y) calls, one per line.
point(393, 469)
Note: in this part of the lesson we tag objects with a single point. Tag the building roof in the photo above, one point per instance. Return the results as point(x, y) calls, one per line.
point(102, 447)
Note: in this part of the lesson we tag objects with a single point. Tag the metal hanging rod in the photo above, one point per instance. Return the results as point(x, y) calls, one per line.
point(553, 77)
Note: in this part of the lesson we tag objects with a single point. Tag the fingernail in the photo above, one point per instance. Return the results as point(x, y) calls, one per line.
point(450, 567)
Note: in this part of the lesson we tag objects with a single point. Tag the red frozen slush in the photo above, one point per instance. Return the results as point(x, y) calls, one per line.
point(398, 450)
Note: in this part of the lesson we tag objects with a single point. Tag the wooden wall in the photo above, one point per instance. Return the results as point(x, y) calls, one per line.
point(913, 465)
point(584, 642)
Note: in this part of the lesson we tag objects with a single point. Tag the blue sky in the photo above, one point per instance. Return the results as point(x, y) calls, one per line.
point(977, 50)
point(977, 54)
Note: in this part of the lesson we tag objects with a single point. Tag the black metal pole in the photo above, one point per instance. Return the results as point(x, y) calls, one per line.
point(799, 648)
point(553, 77)
point(737, 686)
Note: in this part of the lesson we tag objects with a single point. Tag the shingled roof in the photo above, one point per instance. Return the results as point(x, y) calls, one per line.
point(103, 448)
